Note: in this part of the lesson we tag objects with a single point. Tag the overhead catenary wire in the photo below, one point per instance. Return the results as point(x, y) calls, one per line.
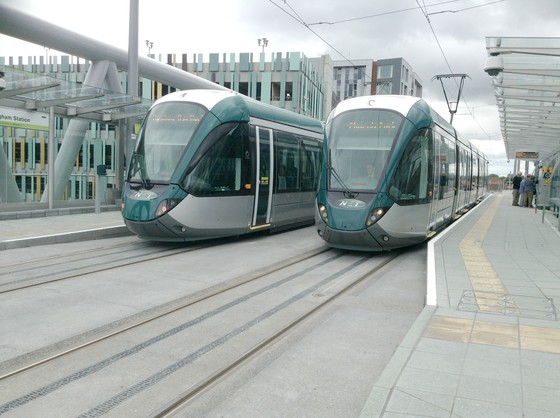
point(301, 21)
point(423, 8)
point(382, 14)
point(295, 15)
point(466, 8)
point(426, 16)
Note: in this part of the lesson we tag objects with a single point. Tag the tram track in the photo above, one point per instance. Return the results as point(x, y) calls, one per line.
point(34, 263)
point(322, 291)
point(150, 315)
point(37, 277)
point(79, 264)
point(180, 402)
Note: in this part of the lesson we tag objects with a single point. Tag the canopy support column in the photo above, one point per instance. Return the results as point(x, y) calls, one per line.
point(74, 136)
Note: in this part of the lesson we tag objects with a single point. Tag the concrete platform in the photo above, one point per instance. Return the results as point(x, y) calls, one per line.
point(488, 341)
point(486, 344)
point(44, 227)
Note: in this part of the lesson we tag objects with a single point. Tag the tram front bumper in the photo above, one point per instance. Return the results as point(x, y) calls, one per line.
point(152, 230)
point(374, 238)
point(349, 240)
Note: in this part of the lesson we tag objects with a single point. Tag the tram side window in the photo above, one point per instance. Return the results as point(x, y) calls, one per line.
point(475, 173)
point(445, 160)
point(224, 168)
point(287, 162)
point(465, 170)
point(310, 164)
point(411, 183)
point(482, 175)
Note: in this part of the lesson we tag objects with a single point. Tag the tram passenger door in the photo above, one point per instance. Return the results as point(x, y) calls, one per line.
point(443, 181)
point(436, 184)
point(264, 170)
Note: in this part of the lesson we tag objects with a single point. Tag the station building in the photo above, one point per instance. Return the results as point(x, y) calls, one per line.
point(24, 134)
point(367, 77)
point(288, 80)
point(292, 81)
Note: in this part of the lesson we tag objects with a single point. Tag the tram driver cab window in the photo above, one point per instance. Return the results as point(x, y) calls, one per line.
point(412, 181)
point(222, 165)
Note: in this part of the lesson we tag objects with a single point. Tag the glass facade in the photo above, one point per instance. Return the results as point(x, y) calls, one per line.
point(289, 81)
point(27, 150)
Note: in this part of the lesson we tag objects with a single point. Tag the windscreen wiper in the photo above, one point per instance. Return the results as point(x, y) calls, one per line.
point(347, 192)
point(140, 169)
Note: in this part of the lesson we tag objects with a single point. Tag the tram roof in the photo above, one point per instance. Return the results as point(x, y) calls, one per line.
point(254, 108)
point(526, 81)
point(31, 91)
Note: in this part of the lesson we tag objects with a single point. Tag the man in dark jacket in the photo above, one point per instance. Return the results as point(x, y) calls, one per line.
point(516, 183)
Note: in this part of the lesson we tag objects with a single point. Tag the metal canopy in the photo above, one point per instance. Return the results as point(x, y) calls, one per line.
point(31, 91)
point(526, 78)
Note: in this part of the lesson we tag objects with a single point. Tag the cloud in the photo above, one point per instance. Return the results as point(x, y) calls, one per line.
point(454, 38)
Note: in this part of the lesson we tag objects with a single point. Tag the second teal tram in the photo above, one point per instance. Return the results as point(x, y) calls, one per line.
point(394, 174)
point(210, 163)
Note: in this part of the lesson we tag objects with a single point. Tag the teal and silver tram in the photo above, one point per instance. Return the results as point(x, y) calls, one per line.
point(394, 174)
point(210, 163)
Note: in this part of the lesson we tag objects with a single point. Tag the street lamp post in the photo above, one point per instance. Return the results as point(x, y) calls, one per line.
point(262, 42)
point(150, 45)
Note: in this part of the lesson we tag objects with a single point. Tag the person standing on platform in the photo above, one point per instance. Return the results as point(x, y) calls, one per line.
point(527, 190)
point(516, 183)
point(522, 197)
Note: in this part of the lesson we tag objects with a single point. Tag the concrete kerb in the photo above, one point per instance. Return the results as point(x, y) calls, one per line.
point(89, 234)
point(383, 388)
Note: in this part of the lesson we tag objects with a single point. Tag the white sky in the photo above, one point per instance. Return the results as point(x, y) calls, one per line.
point(453, 41)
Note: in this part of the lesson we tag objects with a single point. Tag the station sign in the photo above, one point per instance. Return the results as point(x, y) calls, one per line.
point(527, 155)
point(18, 118)
point(547, 174)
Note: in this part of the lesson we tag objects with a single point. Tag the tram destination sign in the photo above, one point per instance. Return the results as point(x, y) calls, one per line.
point(17, 118)
point(527, 155)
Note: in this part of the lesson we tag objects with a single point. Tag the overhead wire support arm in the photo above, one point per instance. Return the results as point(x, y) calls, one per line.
point(452, 106)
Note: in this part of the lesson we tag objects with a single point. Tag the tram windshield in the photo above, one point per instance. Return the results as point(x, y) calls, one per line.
point(360, 142)
point(166, 132)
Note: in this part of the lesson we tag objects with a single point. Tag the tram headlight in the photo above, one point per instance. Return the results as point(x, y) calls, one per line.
point(165, 206)
point(323, 213)
point(375, 215)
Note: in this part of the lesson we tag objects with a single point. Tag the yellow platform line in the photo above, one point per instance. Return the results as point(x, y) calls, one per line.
point(488, 288)
point(478, 331)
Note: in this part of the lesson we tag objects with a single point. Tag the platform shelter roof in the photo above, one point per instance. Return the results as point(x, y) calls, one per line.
point(526, 78)
point(32, 91)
